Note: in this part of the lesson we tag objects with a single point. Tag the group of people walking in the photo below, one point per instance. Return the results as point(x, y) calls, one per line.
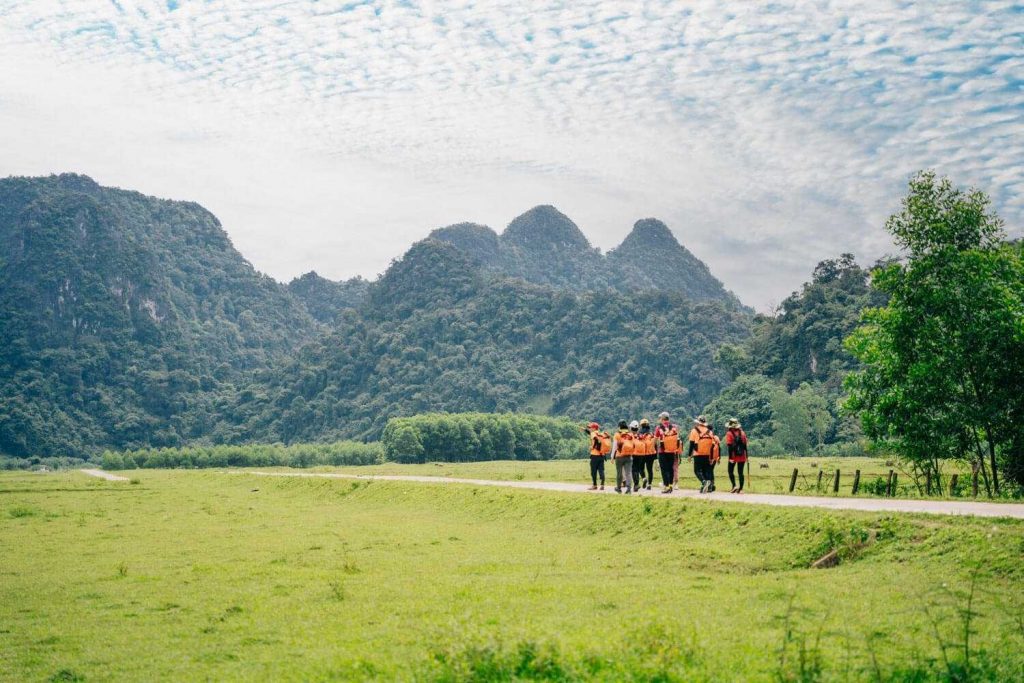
point(635, 447)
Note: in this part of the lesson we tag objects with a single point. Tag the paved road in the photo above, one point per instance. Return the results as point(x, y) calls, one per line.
point(936, 507)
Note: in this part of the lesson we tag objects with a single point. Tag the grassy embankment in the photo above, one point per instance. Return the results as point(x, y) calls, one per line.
point(200, 574)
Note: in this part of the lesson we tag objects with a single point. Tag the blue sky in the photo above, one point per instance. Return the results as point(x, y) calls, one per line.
point(331, 135)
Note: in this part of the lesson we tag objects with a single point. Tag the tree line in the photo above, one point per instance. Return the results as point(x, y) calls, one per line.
point(468, 437)
point(251, 455)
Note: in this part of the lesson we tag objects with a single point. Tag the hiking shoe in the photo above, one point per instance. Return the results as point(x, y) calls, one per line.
point(705, 486)
point(592, 488)
point(618, 490)
point(602, 487)
point(734, 490)
point(666, 489)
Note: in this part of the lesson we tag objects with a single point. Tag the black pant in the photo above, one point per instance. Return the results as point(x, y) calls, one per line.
point(703, 470)
point(732, 478)
point(597, 467)
point(667, 462)
point(641, 463)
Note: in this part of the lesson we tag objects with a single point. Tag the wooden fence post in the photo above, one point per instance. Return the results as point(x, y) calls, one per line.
point(928, 483)
point(888, 485)
point(792, 481)
point(895, 478)
point(835, 484)
point(856, 482)
point(821, 473)
point(953, 481)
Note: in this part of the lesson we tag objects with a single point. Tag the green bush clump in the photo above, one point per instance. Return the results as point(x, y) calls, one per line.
point(253, 455)
point(469, 437)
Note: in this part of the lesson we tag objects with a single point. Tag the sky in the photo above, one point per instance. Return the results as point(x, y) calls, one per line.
point(330, 135)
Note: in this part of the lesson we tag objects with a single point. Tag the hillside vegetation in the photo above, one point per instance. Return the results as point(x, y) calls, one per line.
point(122, 315)
point(438, 334)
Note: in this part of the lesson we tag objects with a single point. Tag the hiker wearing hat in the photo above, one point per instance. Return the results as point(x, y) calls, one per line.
point(669, 447)
point(736, 442)
point(643, 459)
point(702, 450)
point(600, 447)
point(623, 447)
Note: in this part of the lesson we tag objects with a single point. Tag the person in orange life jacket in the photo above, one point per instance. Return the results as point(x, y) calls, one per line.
point(702, 448)
point(643, 459)
point(600, 447)
point(669, 447)
point(736, 442)
point(623, 447)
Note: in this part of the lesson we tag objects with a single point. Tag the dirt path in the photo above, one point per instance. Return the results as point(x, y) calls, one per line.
point(935, 507)
point(104, 475)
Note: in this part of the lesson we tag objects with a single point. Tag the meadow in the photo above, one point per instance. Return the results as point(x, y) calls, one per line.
point(205, 574)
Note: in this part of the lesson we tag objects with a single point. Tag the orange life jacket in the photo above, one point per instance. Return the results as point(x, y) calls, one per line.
point(625, 444)
point(705, 441)
point(604, 443)
point(645, 445)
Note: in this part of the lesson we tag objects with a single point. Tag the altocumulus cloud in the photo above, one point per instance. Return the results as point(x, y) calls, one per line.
point(331, 134)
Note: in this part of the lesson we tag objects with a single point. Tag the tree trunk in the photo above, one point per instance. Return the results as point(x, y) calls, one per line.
point(981, 462)
point(992, 459)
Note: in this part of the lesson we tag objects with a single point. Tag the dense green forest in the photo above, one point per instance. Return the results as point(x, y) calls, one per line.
point(122, 317)
point(129, 322)
point(439, 334)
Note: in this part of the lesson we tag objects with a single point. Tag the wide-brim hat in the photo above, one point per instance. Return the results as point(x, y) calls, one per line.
point(733, 422)
point(701, 420)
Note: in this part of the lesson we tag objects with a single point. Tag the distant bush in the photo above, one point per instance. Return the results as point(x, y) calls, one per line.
point(466, 437)
point(34, 463)
point(253, 455)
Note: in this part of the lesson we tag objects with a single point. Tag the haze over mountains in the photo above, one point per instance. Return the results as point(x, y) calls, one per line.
point(129, 321)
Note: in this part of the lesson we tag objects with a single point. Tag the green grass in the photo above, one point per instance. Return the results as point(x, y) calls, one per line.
point(194, 575)
point(773, 479)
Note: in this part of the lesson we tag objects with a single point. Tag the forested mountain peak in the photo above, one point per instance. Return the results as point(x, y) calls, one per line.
point(325, 299)
point(477, 240)
point(649, 234)
point(120, 310)
point(431, 274)
point(543, 228)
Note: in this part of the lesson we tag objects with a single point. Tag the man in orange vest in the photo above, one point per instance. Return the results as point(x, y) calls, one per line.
point(670, 447)
point(702, 451)
point(600, 447)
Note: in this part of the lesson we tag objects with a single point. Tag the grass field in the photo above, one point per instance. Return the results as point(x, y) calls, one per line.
point(773, 478)
point(196, 575)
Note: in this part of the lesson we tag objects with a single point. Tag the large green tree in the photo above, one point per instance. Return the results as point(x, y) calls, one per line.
point(943, 362)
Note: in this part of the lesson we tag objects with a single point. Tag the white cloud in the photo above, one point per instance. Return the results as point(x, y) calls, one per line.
point(330, 135)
